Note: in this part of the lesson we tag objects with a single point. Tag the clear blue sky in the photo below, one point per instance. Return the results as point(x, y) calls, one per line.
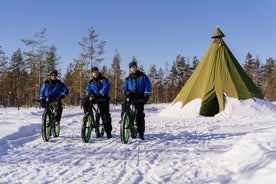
point(154, 31)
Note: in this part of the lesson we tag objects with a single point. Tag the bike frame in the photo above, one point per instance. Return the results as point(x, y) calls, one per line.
point(88, 124)
point(48, 126)
point(129, 124)
point(132, 111)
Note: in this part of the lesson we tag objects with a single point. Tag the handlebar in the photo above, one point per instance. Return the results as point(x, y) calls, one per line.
point(137, 100)
point(96, 100)
point(47, 101)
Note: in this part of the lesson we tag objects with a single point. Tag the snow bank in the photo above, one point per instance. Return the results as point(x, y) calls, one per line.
point(233, 108)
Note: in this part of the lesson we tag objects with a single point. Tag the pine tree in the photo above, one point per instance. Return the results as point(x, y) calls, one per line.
point(3, 74)
point(36, 59)
point(76, 79)
point(161, 89)
point(269, 79)
point(16, 70)
point(116, 81)
point(153, 77)
point(172, 82)
point(51, 59)
point(92, 49)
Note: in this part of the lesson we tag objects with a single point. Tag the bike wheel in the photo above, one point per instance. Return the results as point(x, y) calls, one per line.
point(55, 130)
point(102, 131)
point(125, 128)
point(86, 128)
point(46, 128)
point(134, 129)
point(101, 128)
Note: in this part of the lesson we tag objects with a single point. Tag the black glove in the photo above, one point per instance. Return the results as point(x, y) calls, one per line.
point(61, 96)
point(93, 97)
point(128, 93)
point(43, 102)
point(146, 98)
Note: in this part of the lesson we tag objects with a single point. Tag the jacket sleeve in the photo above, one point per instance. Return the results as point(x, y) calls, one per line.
point(125, 86)
point(147, 86)
point(64, 89)
point(105, 89)
point(91, 89)
point(88, 89)
point(42, 92)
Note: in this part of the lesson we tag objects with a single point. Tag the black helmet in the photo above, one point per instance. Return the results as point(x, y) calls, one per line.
point(53, 72)
point(132, 63)
point(94, 68)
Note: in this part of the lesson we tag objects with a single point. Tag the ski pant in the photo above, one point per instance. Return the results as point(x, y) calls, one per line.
point(59, 112)
point(106, 117)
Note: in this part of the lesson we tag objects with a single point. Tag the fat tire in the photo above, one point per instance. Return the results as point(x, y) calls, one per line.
point(46, 127)
point(133, 130)
point(86, 128)
point(101, 128)
point(125, 128)
point(55, 130)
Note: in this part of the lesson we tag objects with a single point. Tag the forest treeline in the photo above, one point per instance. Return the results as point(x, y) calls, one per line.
point(22, 74)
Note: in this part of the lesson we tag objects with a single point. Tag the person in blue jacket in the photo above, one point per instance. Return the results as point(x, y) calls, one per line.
point(53, 90)
point(98, 88)
point(137, 86)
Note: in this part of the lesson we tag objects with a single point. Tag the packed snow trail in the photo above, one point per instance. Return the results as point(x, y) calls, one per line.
point(190, 150)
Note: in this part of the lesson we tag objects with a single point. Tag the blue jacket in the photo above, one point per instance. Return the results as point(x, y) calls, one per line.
point(138, 84)
point(51, 89)
point(99, 86)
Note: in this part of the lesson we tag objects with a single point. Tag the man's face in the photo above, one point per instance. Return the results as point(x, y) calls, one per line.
point(133, 69)
point(95, 74)
point(53, 77)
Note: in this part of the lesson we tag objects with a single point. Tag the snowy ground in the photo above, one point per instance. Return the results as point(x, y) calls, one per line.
point(236, 146)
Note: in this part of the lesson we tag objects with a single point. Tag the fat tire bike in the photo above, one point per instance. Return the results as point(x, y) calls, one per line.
point(92, 120)
point(128, 125)
point(48, 125)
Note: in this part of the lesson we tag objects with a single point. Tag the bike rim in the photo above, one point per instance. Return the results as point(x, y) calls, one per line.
point(126, 128)
point(57, 129)
point(47, 127)
point(135, 126)
point(88, 128)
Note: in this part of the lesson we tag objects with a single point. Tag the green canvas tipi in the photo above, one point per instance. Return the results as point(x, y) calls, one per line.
point(218, 74)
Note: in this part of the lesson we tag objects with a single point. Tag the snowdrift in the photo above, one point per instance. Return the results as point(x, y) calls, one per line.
point(233, 108)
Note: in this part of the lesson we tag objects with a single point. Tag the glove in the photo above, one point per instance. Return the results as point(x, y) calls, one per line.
point(146, 98)
point(93, 97)
point(61, 96)
point(128, 93)
point(43, 102)
point(92, 94)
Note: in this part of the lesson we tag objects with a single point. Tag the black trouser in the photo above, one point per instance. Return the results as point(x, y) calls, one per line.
point(59, 112)
point(140, 116)
point(104, 112)
point(106, 117)
point(85, 104)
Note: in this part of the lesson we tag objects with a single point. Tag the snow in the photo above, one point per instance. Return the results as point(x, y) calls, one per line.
point(236, 146)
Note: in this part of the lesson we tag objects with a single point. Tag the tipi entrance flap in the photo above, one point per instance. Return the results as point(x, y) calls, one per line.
point(212, 103)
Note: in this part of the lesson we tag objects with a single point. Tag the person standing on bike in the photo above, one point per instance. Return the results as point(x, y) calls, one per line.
point(98, 88)
point(53, 90)
point(137, 86)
